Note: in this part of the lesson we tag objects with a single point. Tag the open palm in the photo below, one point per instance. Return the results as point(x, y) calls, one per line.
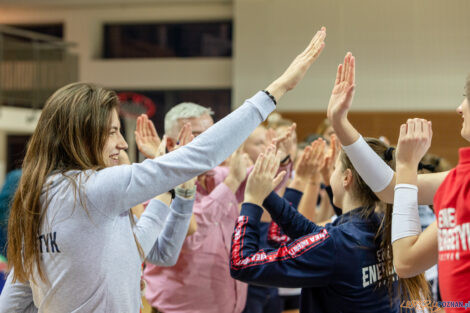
point(146, 137)
point(343, 90)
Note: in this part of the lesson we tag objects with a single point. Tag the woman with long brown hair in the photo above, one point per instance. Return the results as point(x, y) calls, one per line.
point(69, 230)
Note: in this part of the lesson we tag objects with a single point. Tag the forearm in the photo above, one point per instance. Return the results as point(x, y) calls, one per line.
point(167, 247)
point(276, 89)
point(345, 131)
point(293, 196)
point(150, 224)
point(303, 263)
point(308, 204)
point(232, 183)
point(292, 222)
point(151, 177)
point(415, 254)
point(372, 168)
point(406, 226)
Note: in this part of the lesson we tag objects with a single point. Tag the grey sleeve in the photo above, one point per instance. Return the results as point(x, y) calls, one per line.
point(150, 224)
point(118, 188)
point(16, 297)
point(166, 249)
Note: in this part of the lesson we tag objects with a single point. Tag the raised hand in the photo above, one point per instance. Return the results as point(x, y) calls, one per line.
point(305, 165)
point(284, 142)
point(146, 137)
point(239, 163)
point(413, 143)
point(185, 136)
point(330, 159)
point(318, 156)
point(343, 90)
point(297, 69)
point(263, 179)
point(309, 166)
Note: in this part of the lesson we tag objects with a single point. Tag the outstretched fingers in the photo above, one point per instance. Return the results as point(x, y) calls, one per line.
point(338, 74)
point(278, 179)
point(352, 71)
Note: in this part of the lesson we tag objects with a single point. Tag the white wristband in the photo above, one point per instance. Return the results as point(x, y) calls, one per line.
point(373, 170)
point(405, 217)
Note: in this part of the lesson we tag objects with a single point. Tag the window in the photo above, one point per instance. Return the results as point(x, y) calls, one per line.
point(198, 39)
point(56, 30)
point(16, 147)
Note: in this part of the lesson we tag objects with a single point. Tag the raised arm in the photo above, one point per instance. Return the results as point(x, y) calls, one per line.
point(167, 246)
point(413, 251)
point(316, 162)
point(108, 187)
point(382, 178)
point(314, 252)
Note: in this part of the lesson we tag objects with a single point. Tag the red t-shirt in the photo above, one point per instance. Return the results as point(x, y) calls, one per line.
point(452, 207)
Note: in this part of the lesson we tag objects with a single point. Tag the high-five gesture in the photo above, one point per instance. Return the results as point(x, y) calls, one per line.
point(263, 179)
point(413, 143)
point(343, 90)
point(330, 159)
point(146, 137)
point(185, 136)
point(239, 163)
point(297, 69)
point(341, 100)
point(285, 142)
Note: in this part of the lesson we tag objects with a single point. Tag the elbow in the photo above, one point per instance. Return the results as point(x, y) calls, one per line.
point(168, 260)
point(162, 259)
point(403, 269)
point(237, 274)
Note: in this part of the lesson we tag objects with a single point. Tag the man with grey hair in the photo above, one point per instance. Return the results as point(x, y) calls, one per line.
point(187, 112)
point(200, 281)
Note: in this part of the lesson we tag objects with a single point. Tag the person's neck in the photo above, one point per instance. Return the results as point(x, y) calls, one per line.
point(349, 203)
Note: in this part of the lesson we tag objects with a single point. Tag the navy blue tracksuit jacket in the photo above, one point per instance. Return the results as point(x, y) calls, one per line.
point(338, 266)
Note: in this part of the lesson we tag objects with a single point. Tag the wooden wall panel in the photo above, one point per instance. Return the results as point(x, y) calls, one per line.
point(446, 127)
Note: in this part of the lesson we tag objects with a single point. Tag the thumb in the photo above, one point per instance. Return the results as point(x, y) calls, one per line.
point(277, 180)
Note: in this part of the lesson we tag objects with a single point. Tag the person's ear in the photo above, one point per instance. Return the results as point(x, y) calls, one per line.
point(347, 179)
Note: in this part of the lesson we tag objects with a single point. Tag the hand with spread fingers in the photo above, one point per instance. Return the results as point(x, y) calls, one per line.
point(343, 90)
point(318, 156)
point(146, 137)
point(413, 143)
point(297, 69)
point(239, 163)
point(309, 166)
point(185, 136)
point(284, 142)
point(262, 180)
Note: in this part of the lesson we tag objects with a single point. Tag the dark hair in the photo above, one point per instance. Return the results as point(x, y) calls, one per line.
point(415, 288)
